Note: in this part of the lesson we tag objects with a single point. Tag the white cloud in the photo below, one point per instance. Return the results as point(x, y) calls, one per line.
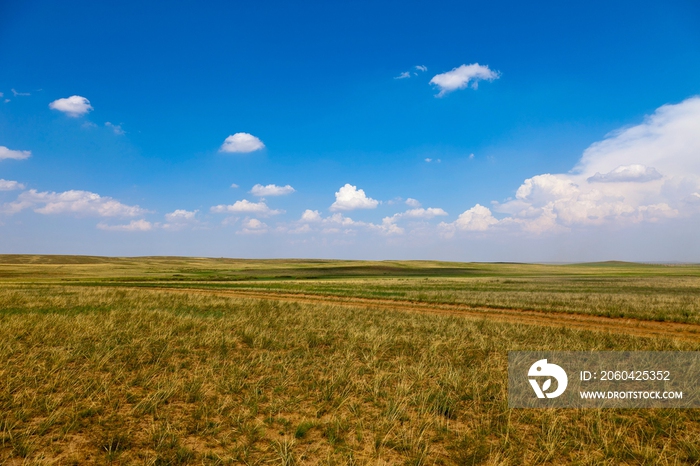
point(644, 173)
point(478, 218)
point(247, 207)
point(340, 219)
point(388, 226)
point(408, 74)
point(430, 212)
point(179, 219)
point(1, 94)
point(6, 185)
point(241, 143)
point(304, 228)
point(310, 216)
point(461, 77)
point(181, 216)
point(116, 128)
point(627, 173)
point(73, 106)
point(412, 202)
point(83, 203)
point(134, 225)
point(271, 190)
point(6, 153)
point(350, 198)
point(253, 226)
point(16, 94)
point(234, 185)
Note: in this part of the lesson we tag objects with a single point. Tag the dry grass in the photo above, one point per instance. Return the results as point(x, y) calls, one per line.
point(103, 375)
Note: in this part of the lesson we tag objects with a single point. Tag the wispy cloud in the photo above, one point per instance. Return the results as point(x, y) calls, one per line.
point(181, 215)
point(116, 128)
point(6, 153)
point(241, 143)
point(416, 69)
point(627, 173)
point(6, 185)
point(22, 94)
point(80, 203)
point(271, 190)
point(463, 76)
point(134, 225)
point(246, 207)
point(73, 106)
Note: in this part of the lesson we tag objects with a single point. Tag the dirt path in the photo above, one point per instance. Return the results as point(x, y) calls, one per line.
point(646, 328)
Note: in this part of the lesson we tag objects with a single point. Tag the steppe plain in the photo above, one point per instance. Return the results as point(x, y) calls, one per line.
point(167, 360)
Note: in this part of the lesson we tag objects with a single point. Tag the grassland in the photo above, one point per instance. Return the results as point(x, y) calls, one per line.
point(150, 361)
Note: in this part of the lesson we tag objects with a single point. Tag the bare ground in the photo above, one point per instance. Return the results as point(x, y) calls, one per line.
point(629, 326)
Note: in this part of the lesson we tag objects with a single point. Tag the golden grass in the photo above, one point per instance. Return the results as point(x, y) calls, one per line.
point(104, 375)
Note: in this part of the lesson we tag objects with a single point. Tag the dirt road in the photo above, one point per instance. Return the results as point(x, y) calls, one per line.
point(645, 328)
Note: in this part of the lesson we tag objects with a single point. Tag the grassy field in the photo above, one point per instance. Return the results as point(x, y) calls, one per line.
point(112, 361)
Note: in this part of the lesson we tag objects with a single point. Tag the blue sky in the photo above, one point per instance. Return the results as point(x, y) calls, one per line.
point(383, 130)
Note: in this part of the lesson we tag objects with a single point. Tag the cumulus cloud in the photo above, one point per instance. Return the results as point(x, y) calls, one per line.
point(350, 198)
point(6, 153)
point(404, 75)
point(73, 106)
point(271, 190)
point(311, 216)
point(116, 128)
point(644, 173)
point(627, 173)
point(478, 218)
point(134, 225)
point(412, 202)
point(463, 76)
point(81, 203)
point(247, 207)
point(241, 143)
point(253, 226)
point(6, 185)
point(421, 68)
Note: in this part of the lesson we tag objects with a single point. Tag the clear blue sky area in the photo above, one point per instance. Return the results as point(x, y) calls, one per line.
point(365, 94)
